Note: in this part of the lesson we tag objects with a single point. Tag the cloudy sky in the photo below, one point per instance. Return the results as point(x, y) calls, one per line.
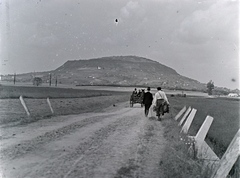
point(199, 39)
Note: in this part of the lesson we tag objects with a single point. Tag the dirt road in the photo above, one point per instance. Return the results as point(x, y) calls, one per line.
point(118, 142)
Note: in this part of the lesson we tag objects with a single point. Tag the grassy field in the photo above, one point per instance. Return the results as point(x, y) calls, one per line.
point(225, 112)
point(64, 101)
point(177, 162)
point(52, 92)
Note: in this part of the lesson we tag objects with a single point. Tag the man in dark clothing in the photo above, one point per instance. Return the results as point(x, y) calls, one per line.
point(147, 101)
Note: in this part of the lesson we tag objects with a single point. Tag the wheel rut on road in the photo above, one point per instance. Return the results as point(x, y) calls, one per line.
point(115, 143)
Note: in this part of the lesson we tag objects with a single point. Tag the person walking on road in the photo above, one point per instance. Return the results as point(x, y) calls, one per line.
point(159, 100)
point(147, 101)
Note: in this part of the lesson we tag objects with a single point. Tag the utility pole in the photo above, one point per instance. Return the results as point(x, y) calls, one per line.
point(14, 78)
point(56, 81)
point(50, 79)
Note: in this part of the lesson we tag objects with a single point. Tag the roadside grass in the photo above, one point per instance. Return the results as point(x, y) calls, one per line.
point(39, 109)
point(177, 161)
point(226, 118)
point(64, 101)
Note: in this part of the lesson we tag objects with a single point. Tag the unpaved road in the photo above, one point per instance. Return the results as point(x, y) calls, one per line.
point(118, 142)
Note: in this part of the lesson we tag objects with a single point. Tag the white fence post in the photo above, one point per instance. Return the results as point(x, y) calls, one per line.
point(188, 122)
point(203, 150)
point(202, 132)
point(24, 105)
point(229, 158)
point(180, 113)
point(50, 106)
point(184, 116)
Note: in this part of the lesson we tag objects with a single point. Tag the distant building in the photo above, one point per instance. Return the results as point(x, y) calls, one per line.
point(233, 94)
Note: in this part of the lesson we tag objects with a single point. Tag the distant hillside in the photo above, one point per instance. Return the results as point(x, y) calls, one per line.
point(117, 70)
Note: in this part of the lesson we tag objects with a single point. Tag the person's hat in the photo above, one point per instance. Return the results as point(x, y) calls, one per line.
point(159, 88)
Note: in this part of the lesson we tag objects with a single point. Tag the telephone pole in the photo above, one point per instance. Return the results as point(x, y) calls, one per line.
point(14, 78)
point(56, 81)
point(50, 79)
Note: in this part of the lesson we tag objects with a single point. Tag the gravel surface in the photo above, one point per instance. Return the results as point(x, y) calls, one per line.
point(117, 142)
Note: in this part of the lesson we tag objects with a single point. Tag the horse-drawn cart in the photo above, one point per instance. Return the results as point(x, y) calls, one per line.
point(136, 98)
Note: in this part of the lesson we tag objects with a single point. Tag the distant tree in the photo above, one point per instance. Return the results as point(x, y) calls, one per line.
point(210, 87)
point(37, 81)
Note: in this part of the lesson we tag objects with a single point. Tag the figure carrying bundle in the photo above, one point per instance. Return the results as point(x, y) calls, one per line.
point(160, 103)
